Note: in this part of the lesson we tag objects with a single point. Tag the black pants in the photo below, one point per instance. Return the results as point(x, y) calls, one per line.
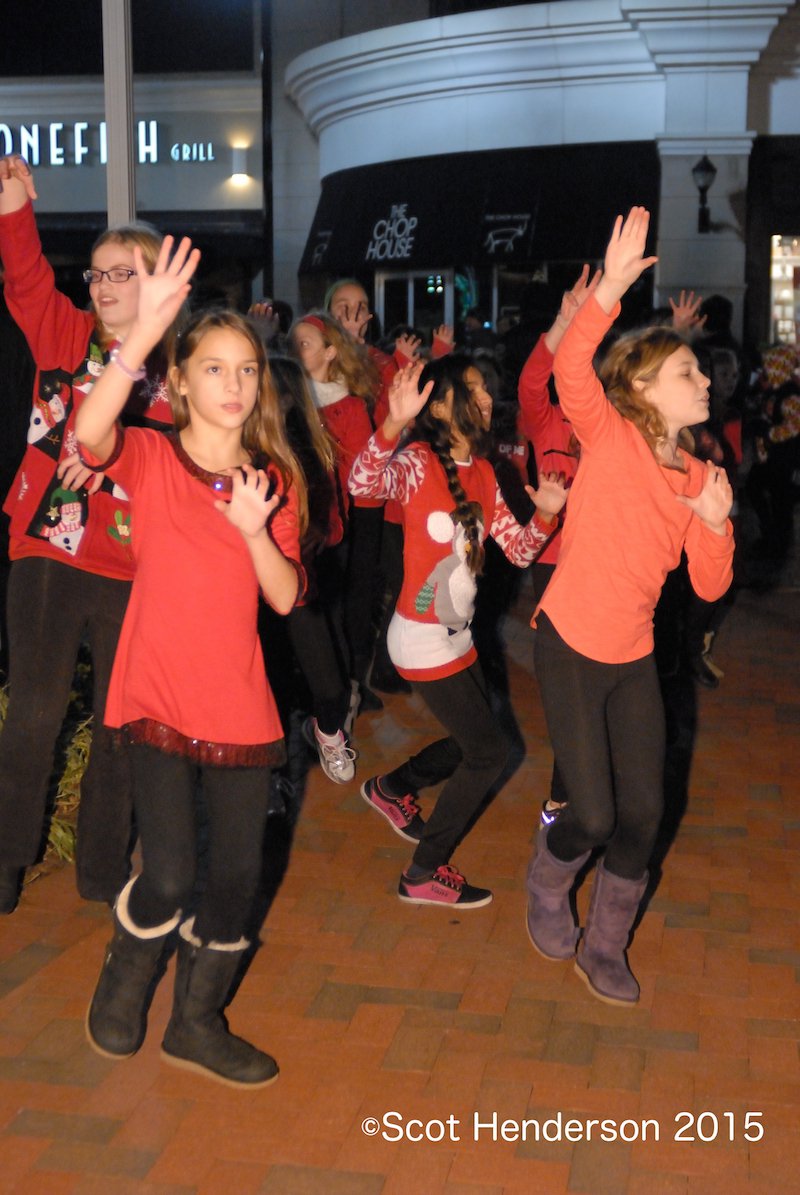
point(364, 532)
point(51, 608)
point(541, 574)
point(470, 759)
point(315, 651)
point(606, 724)
point(166, 802)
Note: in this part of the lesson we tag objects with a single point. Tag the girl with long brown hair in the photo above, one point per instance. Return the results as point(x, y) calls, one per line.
point(217, 511)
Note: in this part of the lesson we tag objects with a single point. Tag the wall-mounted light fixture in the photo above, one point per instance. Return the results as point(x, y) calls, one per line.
point(704, 172)
point(239, 174)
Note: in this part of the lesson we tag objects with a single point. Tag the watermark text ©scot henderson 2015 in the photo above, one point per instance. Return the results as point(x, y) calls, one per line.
point(688, 1127)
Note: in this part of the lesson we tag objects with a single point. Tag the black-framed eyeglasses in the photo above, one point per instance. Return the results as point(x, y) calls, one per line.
point(118, 274)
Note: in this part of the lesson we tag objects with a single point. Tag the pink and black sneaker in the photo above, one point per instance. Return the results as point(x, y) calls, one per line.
point(402, 813)
point(445, 887)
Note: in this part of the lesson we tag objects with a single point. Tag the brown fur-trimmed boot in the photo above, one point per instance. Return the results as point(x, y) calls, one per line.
point(601, 961)
point(550, 920)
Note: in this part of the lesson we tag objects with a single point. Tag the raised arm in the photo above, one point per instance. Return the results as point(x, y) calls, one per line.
point(16, 184)
point(534, 394)
point(160, 297)
point(580, 393)
point(625, 261)
point(377, 472)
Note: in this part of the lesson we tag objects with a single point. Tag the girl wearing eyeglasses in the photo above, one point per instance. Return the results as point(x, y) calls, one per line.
point(70, 542)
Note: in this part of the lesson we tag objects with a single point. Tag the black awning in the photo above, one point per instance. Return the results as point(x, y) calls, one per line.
point(511, 207)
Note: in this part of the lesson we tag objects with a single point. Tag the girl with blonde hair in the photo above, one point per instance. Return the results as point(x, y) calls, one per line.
point(70, 541)
point(637, 501)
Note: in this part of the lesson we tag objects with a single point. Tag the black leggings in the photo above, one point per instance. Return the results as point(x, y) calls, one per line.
point(164, 794)
point(470, 759)
point(52, 608)
point(606, 724)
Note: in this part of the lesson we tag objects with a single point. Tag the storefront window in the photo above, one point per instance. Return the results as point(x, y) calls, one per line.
point(785, 288)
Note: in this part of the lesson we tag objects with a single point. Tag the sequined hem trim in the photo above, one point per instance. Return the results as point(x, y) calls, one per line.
point(221, 755)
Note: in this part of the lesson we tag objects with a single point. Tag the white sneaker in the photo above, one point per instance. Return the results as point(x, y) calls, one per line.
point(335, 756)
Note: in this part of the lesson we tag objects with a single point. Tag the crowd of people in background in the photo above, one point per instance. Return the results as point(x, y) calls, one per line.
point(384, 495)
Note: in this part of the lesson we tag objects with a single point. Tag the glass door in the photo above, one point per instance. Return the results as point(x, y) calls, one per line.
point(422, 299)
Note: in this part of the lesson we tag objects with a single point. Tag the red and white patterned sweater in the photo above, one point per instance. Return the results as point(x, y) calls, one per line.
point(429, 636)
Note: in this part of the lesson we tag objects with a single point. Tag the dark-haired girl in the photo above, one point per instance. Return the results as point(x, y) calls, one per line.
point(450, 499)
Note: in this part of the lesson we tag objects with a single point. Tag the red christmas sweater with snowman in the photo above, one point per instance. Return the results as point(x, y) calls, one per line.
point(429, 636)
point(88, 531)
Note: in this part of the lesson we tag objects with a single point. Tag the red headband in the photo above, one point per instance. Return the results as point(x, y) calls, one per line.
point(315, 322)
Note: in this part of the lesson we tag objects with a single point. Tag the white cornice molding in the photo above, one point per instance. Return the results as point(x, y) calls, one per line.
point(518, 48)
point(34, 99)
point(689, 33)
point(567, 44)
point(689, 144)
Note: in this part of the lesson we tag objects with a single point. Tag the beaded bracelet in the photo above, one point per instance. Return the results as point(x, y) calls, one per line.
point(135, 375)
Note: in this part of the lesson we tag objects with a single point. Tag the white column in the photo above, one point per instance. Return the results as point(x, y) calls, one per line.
point(713, 262)
point(118, 81)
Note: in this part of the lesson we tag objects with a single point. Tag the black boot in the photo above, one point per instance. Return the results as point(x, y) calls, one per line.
point(10, 885)
point(197, 1036)
point(117, 1018)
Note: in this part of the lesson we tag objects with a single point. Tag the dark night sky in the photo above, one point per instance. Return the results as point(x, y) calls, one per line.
point(51, 37)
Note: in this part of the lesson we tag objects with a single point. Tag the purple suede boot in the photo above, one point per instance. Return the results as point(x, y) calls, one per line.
point(551, 924)
point(601, 961)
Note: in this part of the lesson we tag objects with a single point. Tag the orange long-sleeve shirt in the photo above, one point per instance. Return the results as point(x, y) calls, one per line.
point(626, 528)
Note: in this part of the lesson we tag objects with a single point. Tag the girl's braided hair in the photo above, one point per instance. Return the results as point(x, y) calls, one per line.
point(447, 374)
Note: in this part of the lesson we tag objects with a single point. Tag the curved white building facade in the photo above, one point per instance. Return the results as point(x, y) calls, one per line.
point(691, 77)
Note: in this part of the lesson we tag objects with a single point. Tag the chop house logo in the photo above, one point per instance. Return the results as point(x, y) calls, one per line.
point(393, 236)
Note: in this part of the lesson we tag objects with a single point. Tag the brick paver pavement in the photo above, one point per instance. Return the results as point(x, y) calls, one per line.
point(376, 1009)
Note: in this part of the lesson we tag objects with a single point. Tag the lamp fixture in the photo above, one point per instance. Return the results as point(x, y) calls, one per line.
point(239, 174)
point(704, 172)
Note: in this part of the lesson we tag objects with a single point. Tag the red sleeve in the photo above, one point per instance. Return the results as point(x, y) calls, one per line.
point(56, 331)
point(534, 393)
point(580, 393)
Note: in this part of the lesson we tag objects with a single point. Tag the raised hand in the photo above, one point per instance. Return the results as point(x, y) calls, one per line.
point(162, 292)
point(713, 504)
point(405, 399)
point(445, 333)
point(267, 323)
point(550, 497)
point(355, 319)
point(684, 312)
point(571, 304)
point(16, 182)
point(625, 260)
point(251, 503)
point(408, 346)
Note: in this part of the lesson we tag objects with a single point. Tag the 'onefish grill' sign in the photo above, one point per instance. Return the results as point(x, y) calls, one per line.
point(60, 144)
